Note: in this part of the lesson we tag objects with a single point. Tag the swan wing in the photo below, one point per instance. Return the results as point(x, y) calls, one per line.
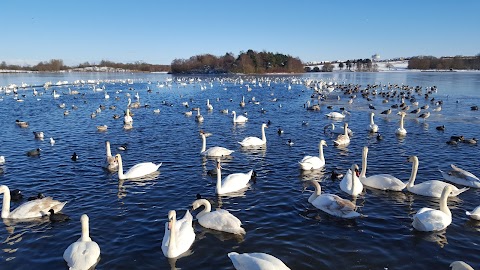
point(311, 162)
point(427, 219)
point(383, 182)
point(256, 261)
point(221, 220)
point(250, 141)
point(217, 151)
point(460, 178)
point(185, 233)
point(82, 254)
point(336, 206)
point(142, 169)
point(37, 208)
point(236, 181)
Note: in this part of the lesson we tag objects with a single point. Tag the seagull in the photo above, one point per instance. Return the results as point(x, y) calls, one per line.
point(52, 141)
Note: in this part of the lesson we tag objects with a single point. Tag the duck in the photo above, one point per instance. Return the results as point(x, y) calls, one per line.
point(34, 152)
point(314, 162)
point(332, 204)
point(290, 142)
point(74, 156)
point(470, 141)
point(379, 181)
point(461, 177)
point(123, 147)
point(111, 163)
point(336, 175)
point(179, 235)
point(57, 217)
point(373, 128)
point(102, 128)
point(460, 265)
point(16, 195)
point(38, 135)
point(233, 182)
point(137, 171)
point(428, 219)
point(475, 214)
point(260, 261)
point(220, 220)
point(280, 131)
point(387, 112)
point(379, 137)
point(239, 118)
point(31, 209)
point(21, 124)
point(342, 139)
point(215, 151)
point(440, 128)
point(84, 253)
point(431, 188)
point(424, 115)
point(401, 131)
point(255, 141)
point(350, 183)
point(39, 196)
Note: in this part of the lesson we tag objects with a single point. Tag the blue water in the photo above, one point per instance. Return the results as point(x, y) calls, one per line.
point(127, 217)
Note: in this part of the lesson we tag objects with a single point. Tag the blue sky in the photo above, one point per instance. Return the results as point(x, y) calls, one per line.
point(159, 31)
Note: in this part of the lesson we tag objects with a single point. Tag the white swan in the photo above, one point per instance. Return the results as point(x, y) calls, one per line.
point(110, 162)
point(428, 219)
point(379, 181)
point(336, 115)
point(314, 162)
point(209, 106)
point(242, 103)
point(343, 139)
point(475, 214)
point(2, 160)
point(220, 220)
point(337, 130)
point(84, 253)
point(31, 209)
point(372, 127)
point(461, 177)
point(255, 141)
point(215, 151)
point(351, 183)
point(331, 203)
point(401, 131)
point(239, 118)
point(256, 261)
point(460, 265)
point(199, 118)
point(179, 235)
point(139, 170)
point(431, 188)
point(127, 120)
point(233, 182)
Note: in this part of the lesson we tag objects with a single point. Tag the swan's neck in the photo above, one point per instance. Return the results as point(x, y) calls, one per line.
point(318, 191)
point(234, 116)
point(204, 144)
point(320, 149)
point(219, 179)
point(264, 138)
point(411, 181)
point(120, 169)
point(109, 152)
point(6, 204)
point(443, 204)
point(371, 119)
point(401, 121)
point(208, 208)
point(353, 180)
point(85, 231)
point(198, 112)
point(173, 236)
point(364, 164)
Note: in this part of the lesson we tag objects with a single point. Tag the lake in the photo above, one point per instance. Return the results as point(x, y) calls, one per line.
point(127, 218)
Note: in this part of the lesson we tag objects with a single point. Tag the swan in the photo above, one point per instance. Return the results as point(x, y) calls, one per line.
point(84, 253)
point(233, 182)
point(254, 141)
point(209, 106)
point(461, 177)
point(336, 130)
point(256, 261)
point(110, 162)
point(128, 120)
point(239, 119)
point(372, 127)
point(401, 131)
point(220, 220)
point(179, 235)
point(331, 203)
point(351, 183)
point(475, 214)
point(139, 170)
point(379, 181)
point(199, 117)
point(31, 209)
point(431, 188)
point(343, 139)
point(242, 103)
point(428, 219)
point(460, 265)
point(314, 162)
point(2, 160)
point(215, 151)
point(336, 115)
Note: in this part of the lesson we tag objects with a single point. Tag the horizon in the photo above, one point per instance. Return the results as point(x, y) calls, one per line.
point(159, 32)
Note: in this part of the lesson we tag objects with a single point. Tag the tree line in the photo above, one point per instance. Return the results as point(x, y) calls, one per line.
point(444, 63)
point(365, 65)
point(246, 62)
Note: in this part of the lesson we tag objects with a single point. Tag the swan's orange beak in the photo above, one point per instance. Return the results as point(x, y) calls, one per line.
point(357, 173)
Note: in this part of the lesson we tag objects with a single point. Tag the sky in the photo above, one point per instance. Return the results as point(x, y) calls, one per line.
point(159, 31)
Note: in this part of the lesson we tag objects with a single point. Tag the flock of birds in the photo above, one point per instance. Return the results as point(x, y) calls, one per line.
point(179, 234)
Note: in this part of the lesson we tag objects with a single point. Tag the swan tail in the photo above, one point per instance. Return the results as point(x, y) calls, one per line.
point(468, 213)
point(158, 166)
point(459, 191)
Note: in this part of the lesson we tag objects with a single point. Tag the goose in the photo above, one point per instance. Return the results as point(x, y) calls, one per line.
point(31, 209)
point(220, 220)
point(239, 118)
point(475, 214)
point(351, 183)
point(255, 141)
point(314, 162)
point(428, 219)
point(379, 181)
point(215, 151)
point(424, 115)
point(343, 139)
point(139, 170)
point(256, 261)
point(331, 203)
point(373, 128)
point(431, 188)
point(199, 117)
point(231, 183)
point(401, 131)
point(179, 235)
point(57, 217)
point(461, 177)
point(111, 163)
point(387, 112)
point(460, 265)
point(209, 106)
point(84, 253)
point(337, 130)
